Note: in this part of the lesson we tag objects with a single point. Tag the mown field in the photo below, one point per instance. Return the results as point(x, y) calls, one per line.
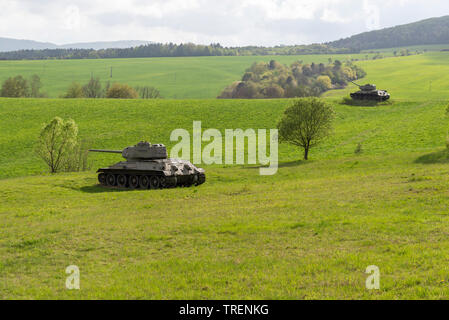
point(307, 232)
point(178, 78)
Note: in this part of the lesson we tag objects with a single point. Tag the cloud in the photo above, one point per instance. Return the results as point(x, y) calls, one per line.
point(230, 22)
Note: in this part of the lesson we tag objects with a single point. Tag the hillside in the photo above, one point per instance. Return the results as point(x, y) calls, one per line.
point(179, 77)
point(308, 232)
point(311, 226)
point(9, 44)
point(426, 32)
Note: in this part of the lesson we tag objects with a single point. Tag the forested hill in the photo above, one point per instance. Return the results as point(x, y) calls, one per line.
point(425, 32)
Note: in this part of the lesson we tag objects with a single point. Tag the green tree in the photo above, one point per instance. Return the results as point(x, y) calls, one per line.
point(148, 93)
point(74, 91)
point(306, 123)
point(121, 91)
point(35, 86)
point(93, 89)
point(56, 143)
point(15, 87)
point(324, 82)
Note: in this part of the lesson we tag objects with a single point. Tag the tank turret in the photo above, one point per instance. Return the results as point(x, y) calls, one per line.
point(370, 92)
point(142, 150)
point(147, 166)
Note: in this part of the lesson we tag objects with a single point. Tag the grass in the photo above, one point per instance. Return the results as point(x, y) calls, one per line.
point(308, 232)
point(419, 77)
point(179, 78)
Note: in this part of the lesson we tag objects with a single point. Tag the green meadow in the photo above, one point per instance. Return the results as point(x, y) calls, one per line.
point(177, 78)
point(307, 232)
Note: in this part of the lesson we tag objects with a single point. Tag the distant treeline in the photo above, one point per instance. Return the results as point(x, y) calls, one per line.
point(170, 50)
point(274, 80)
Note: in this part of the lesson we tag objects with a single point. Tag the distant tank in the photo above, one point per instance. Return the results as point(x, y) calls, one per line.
point(370, 92)
point(147, 167)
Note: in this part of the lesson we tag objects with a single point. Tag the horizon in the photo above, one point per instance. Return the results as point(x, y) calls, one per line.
point(247, 23)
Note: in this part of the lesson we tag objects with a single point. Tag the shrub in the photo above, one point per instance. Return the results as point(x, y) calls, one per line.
point(74, 91)
point(121, 91)
point(148, 93)
point(15, 87)
point(93, 89)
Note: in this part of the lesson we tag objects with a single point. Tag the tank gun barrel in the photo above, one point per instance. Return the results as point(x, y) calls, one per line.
point(107, 151)
point(356, 84)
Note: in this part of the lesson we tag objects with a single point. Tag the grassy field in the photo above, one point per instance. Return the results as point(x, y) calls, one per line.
point(179, 78)
point(307, 232)
point(419, 77)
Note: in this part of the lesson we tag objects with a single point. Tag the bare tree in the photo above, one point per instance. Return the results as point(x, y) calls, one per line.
point(306, 123)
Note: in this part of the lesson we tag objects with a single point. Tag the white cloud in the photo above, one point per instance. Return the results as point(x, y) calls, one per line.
point(230, 22)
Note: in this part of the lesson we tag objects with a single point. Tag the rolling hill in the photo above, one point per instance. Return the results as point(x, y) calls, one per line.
point(9, 44)
point(426, 32)
point(308, 232)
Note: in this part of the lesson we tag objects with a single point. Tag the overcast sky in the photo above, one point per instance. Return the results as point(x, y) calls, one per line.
point(229, 22)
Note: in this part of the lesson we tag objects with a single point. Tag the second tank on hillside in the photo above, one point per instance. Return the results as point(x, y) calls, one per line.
point(370, 92)
point(147, 167)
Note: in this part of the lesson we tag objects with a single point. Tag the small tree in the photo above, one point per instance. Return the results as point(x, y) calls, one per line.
point(93, 88)
point(56, 142)
point(306, 123)
point(74, 91)
point(35, 86)
point(148, 93)
point(121, 91)
point(15, 87)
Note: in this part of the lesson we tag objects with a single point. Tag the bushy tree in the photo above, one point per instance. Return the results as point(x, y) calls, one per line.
point(15, 87)
point(74, 91)
point(324, 82)
point(121, 91)
point(56, 143)
point(306, 123)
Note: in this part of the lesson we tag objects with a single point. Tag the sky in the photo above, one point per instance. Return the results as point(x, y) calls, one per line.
point(228, 22)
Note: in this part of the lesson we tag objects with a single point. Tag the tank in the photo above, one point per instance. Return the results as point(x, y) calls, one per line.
point(148, 167)
point(370, 92)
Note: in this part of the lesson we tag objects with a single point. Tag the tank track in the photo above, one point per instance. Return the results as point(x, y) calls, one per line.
point(143, 181)
point(368, 97)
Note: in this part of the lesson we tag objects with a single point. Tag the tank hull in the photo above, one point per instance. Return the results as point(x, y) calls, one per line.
point(371, 96)
point(151, 174)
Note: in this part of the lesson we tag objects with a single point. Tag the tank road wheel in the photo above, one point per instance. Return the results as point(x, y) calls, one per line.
point(133, 182)
point(121, 181)
point(163, 182)
point(110, 180)
point(102, 178)
point(144, 182)
point(173, 182)
point(154, 182)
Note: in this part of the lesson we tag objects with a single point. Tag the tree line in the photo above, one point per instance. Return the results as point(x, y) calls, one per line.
point(20, 87)
point(170, 50)
point(274, 80)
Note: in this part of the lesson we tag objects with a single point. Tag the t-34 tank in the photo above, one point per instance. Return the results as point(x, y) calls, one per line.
point(147, 167)
point(370, 92)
